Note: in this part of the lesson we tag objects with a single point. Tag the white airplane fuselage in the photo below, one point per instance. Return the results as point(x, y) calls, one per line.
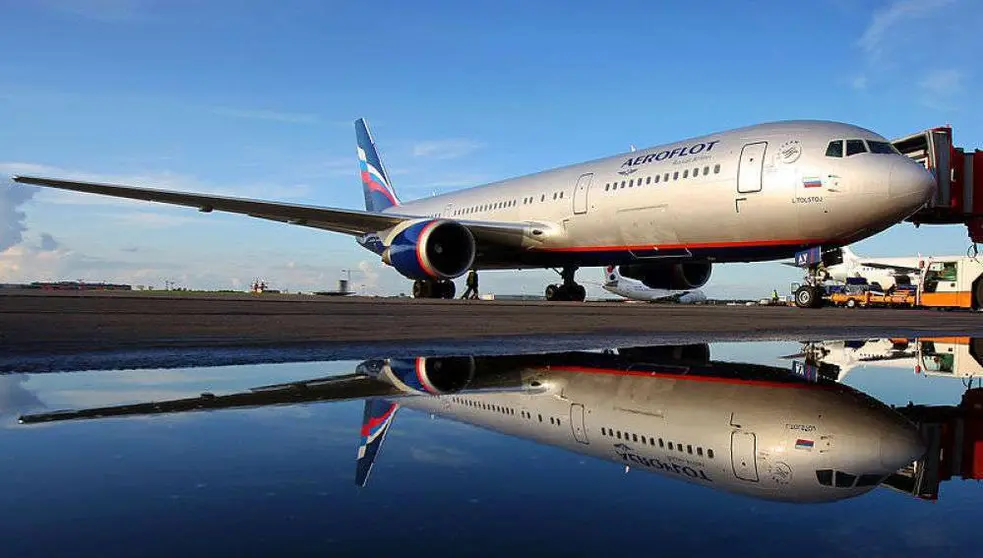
point(763, 439)
point(755, 193)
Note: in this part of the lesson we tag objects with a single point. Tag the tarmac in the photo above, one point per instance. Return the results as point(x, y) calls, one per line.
point(35, 323)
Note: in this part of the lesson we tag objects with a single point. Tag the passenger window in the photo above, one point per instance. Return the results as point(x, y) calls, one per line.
point(657, 178)
point(716, 169)
point(685, 173)
point(648, 180)
point(670, 445)
point(661, 445)
point(554, 195)
point(675, 175)
point(835, 148)
point(696, 171)
point(651, 441)
point(699, 451)
point(689, 449)
point(619, 434)
point(710, 453)
point(561, 195)
point(634, 437)
point(845, 480)
point(855, 146)
point(679, 447)
point(622, 183)
point(542, 198)
point(665, 178)
point(607, 186)
point(706, 170)
point(643, 439)
point(631, 183)
point(825, 477)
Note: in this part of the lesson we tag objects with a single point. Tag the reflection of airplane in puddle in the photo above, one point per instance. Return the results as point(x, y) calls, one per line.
point(750, 429)
point(960, 357)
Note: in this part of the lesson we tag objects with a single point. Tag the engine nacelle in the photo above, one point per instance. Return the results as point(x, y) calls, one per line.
point(671, 276)
point(432, 375)
point(431, 249)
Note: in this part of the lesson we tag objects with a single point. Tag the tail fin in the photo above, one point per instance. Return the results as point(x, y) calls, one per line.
point(611, 275)
point(848, 255)
point(379, 194)
point(376, 420)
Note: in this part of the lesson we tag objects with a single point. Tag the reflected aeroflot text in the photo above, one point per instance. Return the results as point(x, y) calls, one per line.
point(749, 429)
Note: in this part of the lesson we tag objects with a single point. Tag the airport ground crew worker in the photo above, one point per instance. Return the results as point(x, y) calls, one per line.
point(774, 296)
point(472, 283)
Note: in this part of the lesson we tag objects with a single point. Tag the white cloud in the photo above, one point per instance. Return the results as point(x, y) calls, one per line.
point(859, 83)
point(942, 83)
point(12, 217)
point(882, 33)
point(446, 148)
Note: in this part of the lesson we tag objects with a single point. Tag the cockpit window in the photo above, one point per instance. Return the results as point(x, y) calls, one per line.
point(825, 477)
point(835, 148)
point(855, 146)
point(869, 480)
point(844, 480)
point(882, 147)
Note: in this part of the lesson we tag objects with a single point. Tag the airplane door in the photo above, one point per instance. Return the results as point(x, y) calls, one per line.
point(749, 169)
point(580, 193)
point(577, 423)
point(742, 447)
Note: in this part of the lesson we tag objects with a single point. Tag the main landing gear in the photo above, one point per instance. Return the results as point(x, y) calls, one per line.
point(568, 290)
point(431, 288)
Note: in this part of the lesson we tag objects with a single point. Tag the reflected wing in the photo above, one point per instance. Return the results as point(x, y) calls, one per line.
point(346, 221)
point(336, 388)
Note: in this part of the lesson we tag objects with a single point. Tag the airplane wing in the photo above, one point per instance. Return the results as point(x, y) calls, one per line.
point(335, 388)
point(346, 221)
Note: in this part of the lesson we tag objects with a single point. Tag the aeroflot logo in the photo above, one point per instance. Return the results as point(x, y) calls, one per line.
point(629, 456)
point(631, 165)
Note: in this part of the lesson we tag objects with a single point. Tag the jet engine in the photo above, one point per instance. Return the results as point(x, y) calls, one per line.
point(671, 276)
point(431, 249)
point(433, 375)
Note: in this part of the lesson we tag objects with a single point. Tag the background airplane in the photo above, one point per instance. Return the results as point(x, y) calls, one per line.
point(634, 289)
point(665, 213)
point(749, 429)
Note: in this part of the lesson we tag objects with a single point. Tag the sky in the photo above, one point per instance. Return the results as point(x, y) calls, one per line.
point(247, 99)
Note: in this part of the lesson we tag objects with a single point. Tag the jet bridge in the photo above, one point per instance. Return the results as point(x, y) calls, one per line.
point(959, 174)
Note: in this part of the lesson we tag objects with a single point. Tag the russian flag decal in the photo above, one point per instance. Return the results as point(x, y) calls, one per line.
point(811, 182)
point(803, 444)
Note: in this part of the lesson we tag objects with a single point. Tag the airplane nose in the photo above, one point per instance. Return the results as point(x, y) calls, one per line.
point(900, 448)
point(910, 182)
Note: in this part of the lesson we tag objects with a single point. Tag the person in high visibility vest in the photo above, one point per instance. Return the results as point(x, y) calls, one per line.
point(472, 283)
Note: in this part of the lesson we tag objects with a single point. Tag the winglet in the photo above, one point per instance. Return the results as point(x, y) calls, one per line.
point(378, 190)
point(376, 420)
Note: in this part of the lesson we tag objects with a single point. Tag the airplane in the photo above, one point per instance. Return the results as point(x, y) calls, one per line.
point(885, 272)
point(633, 289)
point(667, 214)
point(749, 429)
point(953, 356)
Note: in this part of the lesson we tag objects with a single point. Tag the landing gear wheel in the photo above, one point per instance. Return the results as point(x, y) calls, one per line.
point(579, 293)
point(851, 303)
point(447, 289)
point(422, 289)
point(553, 293)
point(978, 295)
point(805, 297)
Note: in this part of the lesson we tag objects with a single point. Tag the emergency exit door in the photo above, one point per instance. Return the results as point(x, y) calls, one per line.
point(580, 193)
point(749, 169)
point(577, 423)
point(742, 447)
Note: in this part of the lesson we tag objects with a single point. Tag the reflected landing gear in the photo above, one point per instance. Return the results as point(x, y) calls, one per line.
point(568, 290)
point(431, 288)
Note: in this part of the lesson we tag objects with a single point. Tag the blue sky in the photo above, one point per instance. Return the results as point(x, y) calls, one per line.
point(244, 99)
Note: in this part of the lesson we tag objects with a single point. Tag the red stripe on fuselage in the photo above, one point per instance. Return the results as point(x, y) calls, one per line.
point(736, 244)
point(685, 377)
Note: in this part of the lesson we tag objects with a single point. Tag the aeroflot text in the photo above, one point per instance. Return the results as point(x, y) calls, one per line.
point(667, 154)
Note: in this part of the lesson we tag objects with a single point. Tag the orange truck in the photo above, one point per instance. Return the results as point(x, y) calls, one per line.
point(943, 283)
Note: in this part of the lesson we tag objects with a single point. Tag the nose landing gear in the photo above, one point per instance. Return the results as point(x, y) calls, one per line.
point(568, 290)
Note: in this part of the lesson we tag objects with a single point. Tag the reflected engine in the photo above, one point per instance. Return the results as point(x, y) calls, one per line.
point(671, 276)
point(434, 376)
point(431, 249)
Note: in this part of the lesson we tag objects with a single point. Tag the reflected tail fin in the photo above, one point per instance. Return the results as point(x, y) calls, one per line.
point(376, 420)
point(376, 187)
